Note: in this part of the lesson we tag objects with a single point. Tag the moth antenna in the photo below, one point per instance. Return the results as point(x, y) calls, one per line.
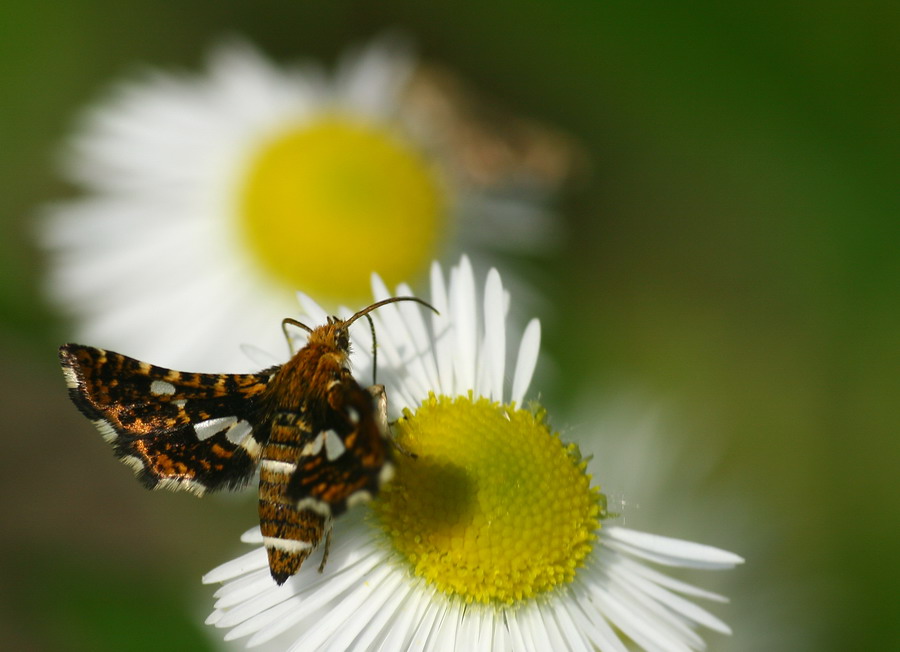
point(374, 350)
point(384, 302)
point(365, 313)
point(292, 322)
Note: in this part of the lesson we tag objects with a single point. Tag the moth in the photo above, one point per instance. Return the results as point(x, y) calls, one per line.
point(321, 442)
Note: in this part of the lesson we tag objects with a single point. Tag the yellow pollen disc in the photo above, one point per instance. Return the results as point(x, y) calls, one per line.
point(328, 202)
point(489, 505)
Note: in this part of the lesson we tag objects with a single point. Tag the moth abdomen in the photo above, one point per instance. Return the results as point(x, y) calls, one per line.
point(289, 535)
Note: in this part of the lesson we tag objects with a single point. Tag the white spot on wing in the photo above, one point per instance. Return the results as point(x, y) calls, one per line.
point(162, 388)
point(252, 446)
point(353, 415)
point(386, 474)
point(334, 447)
point(180, 403)
point(359, 497)
point(319, 506)
point(210, 427)
point(238, 431)
point(288, 545)
point(313, 447)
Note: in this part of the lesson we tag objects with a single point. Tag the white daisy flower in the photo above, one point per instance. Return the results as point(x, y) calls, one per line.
point(490, 536)
point(210, 197)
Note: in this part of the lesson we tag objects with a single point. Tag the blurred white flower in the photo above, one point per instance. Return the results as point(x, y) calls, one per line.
point(210, 197)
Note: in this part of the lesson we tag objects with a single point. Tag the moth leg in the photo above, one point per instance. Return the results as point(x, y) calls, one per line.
point(326, 549)
point(379, 397)
point(385, 426)
point(404, 451)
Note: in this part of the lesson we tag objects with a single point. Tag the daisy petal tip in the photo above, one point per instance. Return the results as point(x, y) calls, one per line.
point(529, 349)
point(380, 289)
point(493, 277)
point(305, 300)
point(252, 536)
point(676, 552)
point(213, 618)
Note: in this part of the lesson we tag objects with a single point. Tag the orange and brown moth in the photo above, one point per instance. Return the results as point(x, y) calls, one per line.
point(320, 440)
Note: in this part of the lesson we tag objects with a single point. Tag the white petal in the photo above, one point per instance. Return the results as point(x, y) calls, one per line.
point(467, 634)
point(526, 361)
point(401, 635)
point(501, 639)
point(589, 619)
point(463, 306)
point(428, 626)
point(267, 624)
point(633, 620)
point(574, 640)
point(440, 323)
point(539, 636)
point(321, 631)
point(677, 604)
point(253, 535)
point(445, 632)
point(246, 563)
point(495, 335)
point(242, 589)
point(668, 551)
point(382, 595)
point(260, 357)
point(316, 313)
point(403, 344)
point(670, 582)
point(414, 316)
point(518, 638)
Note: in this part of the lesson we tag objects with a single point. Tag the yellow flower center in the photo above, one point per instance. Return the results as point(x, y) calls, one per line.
point(328, 202)
point(488, 504)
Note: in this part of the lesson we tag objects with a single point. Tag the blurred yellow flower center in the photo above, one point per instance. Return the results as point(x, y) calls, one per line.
point(327, 203)
point(490, 506)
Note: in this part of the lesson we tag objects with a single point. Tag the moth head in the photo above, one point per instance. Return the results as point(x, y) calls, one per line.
point(336, 333)
point(341, 335)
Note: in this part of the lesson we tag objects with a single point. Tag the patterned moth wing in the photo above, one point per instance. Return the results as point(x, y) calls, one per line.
point(199, 432)
point(321, 441)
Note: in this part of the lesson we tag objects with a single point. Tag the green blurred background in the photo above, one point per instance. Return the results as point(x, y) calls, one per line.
point(735, 253)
